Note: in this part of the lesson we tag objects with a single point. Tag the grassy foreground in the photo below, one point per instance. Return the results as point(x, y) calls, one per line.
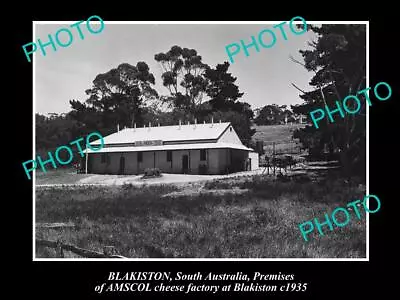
point(261, 223)
point(59, 176)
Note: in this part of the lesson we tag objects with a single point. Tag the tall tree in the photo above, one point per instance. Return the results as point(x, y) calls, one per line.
point(183, 76)
point(338, 60)
point(222, 90)
point(223, 104)
point(116, 97)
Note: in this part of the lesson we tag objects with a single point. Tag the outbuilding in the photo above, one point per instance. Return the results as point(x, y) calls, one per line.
point(209, 148)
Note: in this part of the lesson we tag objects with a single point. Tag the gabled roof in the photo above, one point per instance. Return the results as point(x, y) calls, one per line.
point(195, 146)
point(172, 133)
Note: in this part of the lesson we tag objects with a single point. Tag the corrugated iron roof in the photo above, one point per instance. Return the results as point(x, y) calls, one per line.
point(172, 147)
point(167, 133)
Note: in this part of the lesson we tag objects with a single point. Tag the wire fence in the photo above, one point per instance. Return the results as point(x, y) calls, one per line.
point(282, 147)
point(281, 155)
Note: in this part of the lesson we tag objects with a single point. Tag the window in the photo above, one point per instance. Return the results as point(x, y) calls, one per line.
point(203, 154)
point(169, 155)
point(140, 156)
point(230, 128)
point(103, 158)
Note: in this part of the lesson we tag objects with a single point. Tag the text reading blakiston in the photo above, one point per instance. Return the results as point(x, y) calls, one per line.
point(129, 276)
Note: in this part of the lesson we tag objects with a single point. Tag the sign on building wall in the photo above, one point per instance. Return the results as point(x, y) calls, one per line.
point(149, 143)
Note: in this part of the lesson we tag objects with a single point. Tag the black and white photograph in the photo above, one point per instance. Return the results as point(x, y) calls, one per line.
point(201, 140)
point(254, 157)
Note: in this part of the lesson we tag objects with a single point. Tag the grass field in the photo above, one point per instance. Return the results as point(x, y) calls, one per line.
point(273, 133)
point(281, 135)
point(260, 223)
point(59, 176)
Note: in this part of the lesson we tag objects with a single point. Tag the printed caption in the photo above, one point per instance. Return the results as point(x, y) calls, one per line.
point(208, 282)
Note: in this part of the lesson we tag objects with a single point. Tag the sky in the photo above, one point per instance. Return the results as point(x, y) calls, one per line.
point(264, 77)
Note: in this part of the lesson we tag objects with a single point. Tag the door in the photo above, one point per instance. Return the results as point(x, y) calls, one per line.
point(89, 164)
point(185, 164)
point(122, 165)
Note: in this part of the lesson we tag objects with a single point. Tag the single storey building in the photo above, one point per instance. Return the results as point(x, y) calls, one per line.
point(210, 148)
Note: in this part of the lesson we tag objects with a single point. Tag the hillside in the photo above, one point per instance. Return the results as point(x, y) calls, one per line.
point(281, 135)
point(275, 133)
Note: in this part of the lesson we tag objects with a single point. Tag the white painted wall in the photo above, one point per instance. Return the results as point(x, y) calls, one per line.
point(230, 136)
point(217, 161)
point(254, 160)
point(147, 162)
point(213, 161)
point(195, 161)
point(131, 164)
point(162, 163)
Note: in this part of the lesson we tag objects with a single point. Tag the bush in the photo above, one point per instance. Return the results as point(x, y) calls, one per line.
point(218, 184)
point(152, 172)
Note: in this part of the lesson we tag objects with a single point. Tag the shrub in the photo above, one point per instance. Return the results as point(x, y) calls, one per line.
point(218, 184)
point(152, 172)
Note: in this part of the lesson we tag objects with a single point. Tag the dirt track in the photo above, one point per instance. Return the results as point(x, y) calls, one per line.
point(112, 180)
point(176, 179)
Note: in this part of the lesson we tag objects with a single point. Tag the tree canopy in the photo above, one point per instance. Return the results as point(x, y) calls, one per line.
point(338, 60)
point(183, 76)
point(224, 102)
point(198, 91)
point(118, 96)
point(274, 114)
point(126, 95)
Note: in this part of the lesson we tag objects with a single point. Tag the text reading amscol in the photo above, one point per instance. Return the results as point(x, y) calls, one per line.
point(57, 154)
point(67, 37)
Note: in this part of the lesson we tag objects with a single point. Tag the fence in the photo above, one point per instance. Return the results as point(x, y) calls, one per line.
point(282, 147)
point(281, 154)
point(61, 247)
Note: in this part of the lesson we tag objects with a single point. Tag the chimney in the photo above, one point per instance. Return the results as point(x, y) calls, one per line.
point(188, 123)
point(134, 128)
point(149, 125)
point(212, 121)
point(204, 121)
point(195, 123)
point(158, 124)
point(117, 127)
point(220, 121)
point(180, 123)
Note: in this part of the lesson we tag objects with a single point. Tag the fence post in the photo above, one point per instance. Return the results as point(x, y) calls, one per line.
point(59, 249)
point(273, 156)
